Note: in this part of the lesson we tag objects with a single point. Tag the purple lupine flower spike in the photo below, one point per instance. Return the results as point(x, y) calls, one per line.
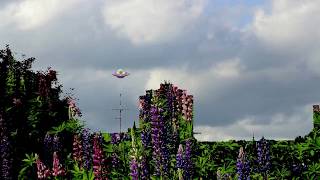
point(5, 152)
point(188, 164)
point(115, 160)
point(56, 143)
point(86, 149)
point(115, 138)
point(134, 166)
point(264, 164)
point(47, 144)
point(134, 173)
point(6, 157)
point(180, 162)
point(145, 138)
point(145, 175)
point(179, 157)
point(157, 133)
point(243, 168)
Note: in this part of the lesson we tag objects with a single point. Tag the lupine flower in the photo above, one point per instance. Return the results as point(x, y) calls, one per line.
point(134, 173)
point(115, 160)
point(86, 149)
point(145, 138)
point(42, 171)
point(188, 164)
point(298, 168)
point(77, 149)
point(3, 128)
point(73, 109)
point(180, 157)
point(145, 175)
point(264, 164)
point(56, 143)
point(47, 141)
point(243, 168)
point(98, 158)
point(6, 164)
point(180, 161)
point(57, 169)
point(141, 106)
point(115, 138)
point(143, 111)
point(160, 151)
point(189, 108)
point(47, 144)
point(44, 86)
point(134, 167)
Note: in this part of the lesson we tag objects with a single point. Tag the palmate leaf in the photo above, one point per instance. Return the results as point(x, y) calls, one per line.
point(28, 163)
point(72, 125)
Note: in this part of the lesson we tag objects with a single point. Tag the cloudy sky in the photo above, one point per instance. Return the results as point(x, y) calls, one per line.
point(252, 65)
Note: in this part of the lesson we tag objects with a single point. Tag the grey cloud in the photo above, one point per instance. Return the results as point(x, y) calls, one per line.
point(79, 40)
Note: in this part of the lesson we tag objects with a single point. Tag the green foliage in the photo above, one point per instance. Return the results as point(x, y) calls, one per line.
point(28, 165)
point(316, 120)
point(72, 126)
point(81, 174)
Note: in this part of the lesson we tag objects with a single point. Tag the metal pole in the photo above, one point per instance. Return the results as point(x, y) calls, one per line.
point(120, 113)
point(120, 109)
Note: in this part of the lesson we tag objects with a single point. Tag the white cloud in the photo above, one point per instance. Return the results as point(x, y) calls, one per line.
point(281, 126)
point(30, 14)
point(291, 23)
point(149, 21)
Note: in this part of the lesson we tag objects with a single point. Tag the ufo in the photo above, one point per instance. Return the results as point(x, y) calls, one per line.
point(120, 73)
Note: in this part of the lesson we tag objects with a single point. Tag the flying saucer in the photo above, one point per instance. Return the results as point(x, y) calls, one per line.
point(120, 73)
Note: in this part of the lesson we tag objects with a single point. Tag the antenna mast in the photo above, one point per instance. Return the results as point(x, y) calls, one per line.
point(120, 109)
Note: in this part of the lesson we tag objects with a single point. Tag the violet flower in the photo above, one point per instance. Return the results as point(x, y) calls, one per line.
point(180, 158)
point(134, 167)
point(115, 138)
point(115, 160)
point(144, 166)
point(134, 173)
point(264, 164)
point(160, 154)
point(180, 161)
point(6, 157)
point(188, 164)
point(145, 138)
point(57, 147)
point(86, 149)
point(243, 167)
point(47, 144)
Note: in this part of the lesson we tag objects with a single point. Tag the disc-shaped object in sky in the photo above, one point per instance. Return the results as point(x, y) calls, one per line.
point(120, 73)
